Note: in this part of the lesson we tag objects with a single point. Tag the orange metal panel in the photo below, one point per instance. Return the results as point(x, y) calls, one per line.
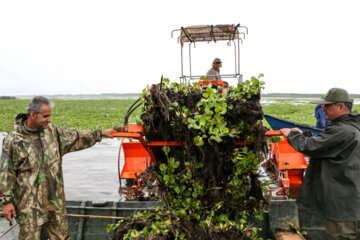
point(291, 160)
point(133, 131)
point(135, 128)
point(127, 134)
point(273, 133)
point(137, 159)
point(160, 144)
point(239, 143)
point(291, 163)
point(295, 181)
point(213, 82)
point(173, 143)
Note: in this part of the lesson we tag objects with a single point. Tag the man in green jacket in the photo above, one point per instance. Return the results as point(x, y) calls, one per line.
point(332, 181)
point(31, 177)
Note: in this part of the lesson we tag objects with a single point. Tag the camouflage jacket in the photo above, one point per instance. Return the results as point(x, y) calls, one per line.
point(31, 174)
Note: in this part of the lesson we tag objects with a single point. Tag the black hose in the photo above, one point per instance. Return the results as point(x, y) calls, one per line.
point(127, 115)
point(130, 110)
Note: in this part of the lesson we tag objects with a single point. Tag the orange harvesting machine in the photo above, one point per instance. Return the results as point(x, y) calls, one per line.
point(288, 165)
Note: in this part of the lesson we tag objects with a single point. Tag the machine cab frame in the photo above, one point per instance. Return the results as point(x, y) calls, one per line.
point(208, 33)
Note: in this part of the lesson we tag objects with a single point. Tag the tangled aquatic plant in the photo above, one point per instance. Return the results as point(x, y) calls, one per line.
point(209, 183)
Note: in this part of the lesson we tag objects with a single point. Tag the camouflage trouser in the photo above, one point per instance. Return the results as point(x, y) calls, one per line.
point(56, 230)
point(338, 230)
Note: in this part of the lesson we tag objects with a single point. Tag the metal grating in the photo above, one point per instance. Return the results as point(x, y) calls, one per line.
point(208, 33)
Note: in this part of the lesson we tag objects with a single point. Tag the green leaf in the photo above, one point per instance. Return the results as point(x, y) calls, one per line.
point(171, 162)
point(166, 81)
point(109, 228)
point(203, 78)
point(182, 212)
point(260, 217)
point(207, 110)
point(224, 130)
point(171, 179)
point(198, 141)
point(218, 109)
point(166, 178)
point(176, 164)
point(166, 150)
point(134, 233)
point(202, 121)
point(145, 232)
point(198, 165)
point(163, 167)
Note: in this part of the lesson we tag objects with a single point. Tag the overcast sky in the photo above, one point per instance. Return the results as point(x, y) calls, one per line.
point(61, 47)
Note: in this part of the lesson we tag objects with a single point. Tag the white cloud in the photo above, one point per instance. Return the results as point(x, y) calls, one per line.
point(116, 46)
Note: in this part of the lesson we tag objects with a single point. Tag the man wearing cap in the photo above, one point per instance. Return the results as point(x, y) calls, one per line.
point(332, 181)
point(214, 72)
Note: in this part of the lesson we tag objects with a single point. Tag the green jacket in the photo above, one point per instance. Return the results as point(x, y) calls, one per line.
point(31, 174)
point(213, 74)
point(332, 180)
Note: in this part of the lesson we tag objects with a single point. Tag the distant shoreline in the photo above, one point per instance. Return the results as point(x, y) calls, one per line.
point(79, 96)
point(136, 95)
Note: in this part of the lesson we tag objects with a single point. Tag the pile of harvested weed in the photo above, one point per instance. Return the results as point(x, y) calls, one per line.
point(209, 183)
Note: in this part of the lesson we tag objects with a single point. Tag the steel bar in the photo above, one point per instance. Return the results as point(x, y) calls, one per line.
point(88, 216)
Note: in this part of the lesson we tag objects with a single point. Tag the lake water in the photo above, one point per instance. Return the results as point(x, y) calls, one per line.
point(91, 174)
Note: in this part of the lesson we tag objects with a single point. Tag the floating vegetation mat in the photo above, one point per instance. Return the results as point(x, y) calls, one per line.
point(209, 184)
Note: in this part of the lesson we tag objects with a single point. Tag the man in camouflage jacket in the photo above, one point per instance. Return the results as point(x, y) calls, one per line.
point(31, 177)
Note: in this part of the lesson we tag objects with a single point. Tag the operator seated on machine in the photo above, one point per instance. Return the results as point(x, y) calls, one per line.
point(214, 72)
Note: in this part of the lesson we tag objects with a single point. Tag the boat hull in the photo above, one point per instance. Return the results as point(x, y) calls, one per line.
point(278, 123)
point(84, 228)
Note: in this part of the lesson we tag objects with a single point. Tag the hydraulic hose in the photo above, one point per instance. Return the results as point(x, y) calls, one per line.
point(130, 110)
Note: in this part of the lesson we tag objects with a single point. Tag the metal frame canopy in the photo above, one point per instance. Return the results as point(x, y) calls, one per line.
point(208, 33)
